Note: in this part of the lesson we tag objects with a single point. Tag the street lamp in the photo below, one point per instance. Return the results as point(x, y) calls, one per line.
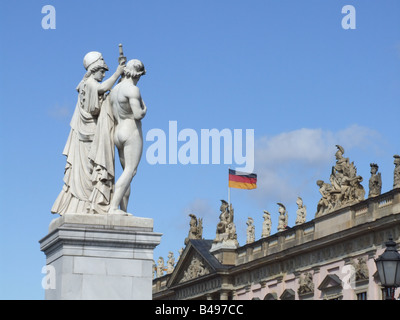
point(388, 265)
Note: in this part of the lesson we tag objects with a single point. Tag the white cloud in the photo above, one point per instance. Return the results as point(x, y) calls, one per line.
point(202, 208)
point(289, 163)
point(306, 145)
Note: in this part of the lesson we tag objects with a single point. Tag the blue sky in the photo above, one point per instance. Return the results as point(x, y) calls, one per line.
point(286, 69)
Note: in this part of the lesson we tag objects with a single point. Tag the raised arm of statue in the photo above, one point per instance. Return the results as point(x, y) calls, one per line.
point(107, 84)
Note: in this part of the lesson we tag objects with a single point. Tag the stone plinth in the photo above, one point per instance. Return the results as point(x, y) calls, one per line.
point(100, 257)
point(225, 251)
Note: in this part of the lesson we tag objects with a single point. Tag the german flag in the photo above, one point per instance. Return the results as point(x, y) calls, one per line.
point(242, 180)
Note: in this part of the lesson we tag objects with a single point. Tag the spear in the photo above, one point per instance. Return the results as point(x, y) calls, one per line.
point(121, 58)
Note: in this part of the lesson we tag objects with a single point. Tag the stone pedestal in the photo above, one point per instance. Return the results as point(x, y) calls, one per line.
point(99, 257)
point(225, 251)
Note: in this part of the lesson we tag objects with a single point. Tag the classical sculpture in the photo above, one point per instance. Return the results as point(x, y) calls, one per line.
point(250, 231)
point(325, 203)
point(375, 182)
point(396, 176)
point(101, 122)
point(154, 269)
point(361, 269)
point(196, 228)
point(195, 269)
point(76, 193)
point(266, 226)
point(128, 110)
point(345, 188)
point(160, 267)
point(180, 251)
point(226, 229)
point(170, 262)
point(301, 211)
point(283, 218)
point(306, 284)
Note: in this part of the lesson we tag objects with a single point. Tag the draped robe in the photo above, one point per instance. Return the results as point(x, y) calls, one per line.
point(89, 171)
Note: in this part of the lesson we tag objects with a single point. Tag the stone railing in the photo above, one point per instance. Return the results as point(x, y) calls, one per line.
point(160, 283)
point(348, 217)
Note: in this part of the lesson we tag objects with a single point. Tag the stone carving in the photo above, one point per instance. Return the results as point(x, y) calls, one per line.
point(361, 269)
point(128, 109)
point(375, 182)
point(154, 269)
point(345, 188)
point(306, 284)
point(266, 226)
point(101, 122)
point(180, 251)
point(196, 269)
point(325, 204)
point(251, 235)
point(396, 176)
point(160, 267)
point(301, 211)
point(196, 228)
point(76, 193)
point(226, 229)
point(283, 218)
point(170, 262)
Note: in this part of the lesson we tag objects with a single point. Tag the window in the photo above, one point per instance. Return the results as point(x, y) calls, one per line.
point(362, 296)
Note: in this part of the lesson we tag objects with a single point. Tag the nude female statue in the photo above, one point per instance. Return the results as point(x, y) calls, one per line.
point(128, 109)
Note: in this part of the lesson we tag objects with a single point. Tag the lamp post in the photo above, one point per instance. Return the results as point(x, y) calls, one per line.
point(388, 265)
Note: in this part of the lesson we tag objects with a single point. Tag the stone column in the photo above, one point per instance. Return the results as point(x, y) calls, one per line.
point(93, 257)
point(224, 295)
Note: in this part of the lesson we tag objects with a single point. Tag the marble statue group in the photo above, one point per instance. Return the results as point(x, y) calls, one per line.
point(105, 117)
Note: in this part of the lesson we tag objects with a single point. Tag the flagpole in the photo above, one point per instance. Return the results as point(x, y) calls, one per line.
point(229, 196)
point(229, 190)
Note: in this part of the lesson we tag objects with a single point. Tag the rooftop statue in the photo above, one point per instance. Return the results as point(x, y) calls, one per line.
point(226, 229)
point(283, 218)
point(160, 267)
point(301, 211)
point(196, 228)
point(170, 263)
point(266, 226)
point(375, 182)
point(345, 188)
point(396, 176)
point(250, 230)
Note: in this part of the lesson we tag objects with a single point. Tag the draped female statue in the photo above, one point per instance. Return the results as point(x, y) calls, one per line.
point(78, 175)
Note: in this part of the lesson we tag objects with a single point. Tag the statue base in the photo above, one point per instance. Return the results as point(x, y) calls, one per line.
point(225, 251)
point(93, 257)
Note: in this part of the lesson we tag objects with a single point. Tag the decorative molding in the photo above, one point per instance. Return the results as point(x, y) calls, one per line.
point(195, 269)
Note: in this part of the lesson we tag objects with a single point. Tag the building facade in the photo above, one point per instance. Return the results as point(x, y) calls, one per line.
point(330, 257)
